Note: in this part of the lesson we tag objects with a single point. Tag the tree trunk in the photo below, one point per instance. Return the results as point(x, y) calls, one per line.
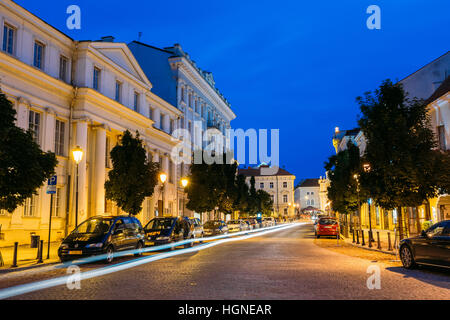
point(400, 222)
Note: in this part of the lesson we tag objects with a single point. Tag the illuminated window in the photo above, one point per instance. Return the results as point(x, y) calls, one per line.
point(59, 137)
point(34, 124)
point(29, 208)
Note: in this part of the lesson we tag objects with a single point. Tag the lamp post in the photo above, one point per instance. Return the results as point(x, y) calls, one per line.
point(77, 157)
point(163, 178)
point(366, 167)
point(184, 183)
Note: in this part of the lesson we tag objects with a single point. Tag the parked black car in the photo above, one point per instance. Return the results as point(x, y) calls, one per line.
point(103, 234)
point(432, 247)
point(215, 227)
point(163, 230)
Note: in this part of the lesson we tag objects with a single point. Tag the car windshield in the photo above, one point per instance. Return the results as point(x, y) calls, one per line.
point(96, 226)
point(212, 224)
point(327, 221)
point(159, 224)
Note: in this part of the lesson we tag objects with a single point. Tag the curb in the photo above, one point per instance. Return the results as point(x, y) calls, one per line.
point(5, 270)
point(367, 248)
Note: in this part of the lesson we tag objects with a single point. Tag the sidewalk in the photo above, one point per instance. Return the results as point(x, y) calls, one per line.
point(27, 257)
point(384, 241)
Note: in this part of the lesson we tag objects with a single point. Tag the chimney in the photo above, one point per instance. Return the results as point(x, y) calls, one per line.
point(108, 39)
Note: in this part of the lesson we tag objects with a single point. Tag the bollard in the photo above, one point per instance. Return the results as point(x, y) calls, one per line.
point(389, 242)
point(370, 238)
point(14, 265)
point(353, 235)
point(378, 239)
point(41, 248)
point(2, 263)
point(357, 236)
point(363, 243)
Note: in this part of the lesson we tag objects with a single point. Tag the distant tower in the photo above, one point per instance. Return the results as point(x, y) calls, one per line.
point(139, 36)
point(335, 139)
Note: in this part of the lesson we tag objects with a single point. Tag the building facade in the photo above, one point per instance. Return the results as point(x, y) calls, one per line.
point(280, 186)
point(178, 80)
point(307, 194)
point(79, 93)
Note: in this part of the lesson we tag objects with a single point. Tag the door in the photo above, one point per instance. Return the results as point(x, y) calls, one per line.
point(440, 254)
point(424, 246)
point(131, 233)
point(118, 235)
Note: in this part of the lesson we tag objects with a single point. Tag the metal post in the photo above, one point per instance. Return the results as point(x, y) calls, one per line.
point(378, 239)
point(363, 243)
point(357, 236)
point(14, 265)
point(389, 242)
point(353, 235)
point(41, 248)
point(50, 225)
point(76, 200)
point(370, 238)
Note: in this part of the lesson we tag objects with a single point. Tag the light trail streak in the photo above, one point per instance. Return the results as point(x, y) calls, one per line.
point(49, 283)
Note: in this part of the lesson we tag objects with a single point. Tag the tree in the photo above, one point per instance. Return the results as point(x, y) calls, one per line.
point(212, 186)
point(265, 203)
point(24, 167)
point(133, 176)
point(242, 192)
point(399, 149)
point(343, 171)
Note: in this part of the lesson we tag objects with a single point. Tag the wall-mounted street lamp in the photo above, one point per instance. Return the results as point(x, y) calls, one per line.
point(162, 178)
point(77, 154)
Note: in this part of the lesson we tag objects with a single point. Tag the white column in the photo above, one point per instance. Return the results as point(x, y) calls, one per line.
point(99, 171)
point(81, 140)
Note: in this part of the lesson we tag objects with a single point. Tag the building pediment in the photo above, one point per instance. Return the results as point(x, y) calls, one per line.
point(122, 56)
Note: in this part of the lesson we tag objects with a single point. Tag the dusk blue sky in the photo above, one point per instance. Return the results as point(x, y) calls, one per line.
point(293, 65)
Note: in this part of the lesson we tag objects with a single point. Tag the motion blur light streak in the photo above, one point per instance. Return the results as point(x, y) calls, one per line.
point(40, 285)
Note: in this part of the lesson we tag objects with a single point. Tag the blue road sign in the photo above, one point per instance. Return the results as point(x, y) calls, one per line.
point(51, 185)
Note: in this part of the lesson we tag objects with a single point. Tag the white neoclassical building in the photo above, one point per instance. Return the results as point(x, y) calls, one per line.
point(178, 80)
point(280, 186)
point(83, 93)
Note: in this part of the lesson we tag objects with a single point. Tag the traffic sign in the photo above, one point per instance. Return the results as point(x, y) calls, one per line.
point(51, 185)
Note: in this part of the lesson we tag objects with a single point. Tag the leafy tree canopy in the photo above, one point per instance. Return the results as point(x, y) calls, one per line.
point(24, 167)
point(133, 176)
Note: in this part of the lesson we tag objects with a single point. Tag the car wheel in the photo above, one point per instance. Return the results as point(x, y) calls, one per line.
point(138, 249)
point(407, 257)
point(317, 236)
point(109, 254)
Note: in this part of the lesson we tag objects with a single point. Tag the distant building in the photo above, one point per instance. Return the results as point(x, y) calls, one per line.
point(280, 187)
point(307, 194)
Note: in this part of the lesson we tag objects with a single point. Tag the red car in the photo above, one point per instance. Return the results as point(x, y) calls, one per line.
point(326, 227)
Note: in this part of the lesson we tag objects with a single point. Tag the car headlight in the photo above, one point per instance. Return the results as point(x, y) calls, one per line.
point(95, 245)
point(162, 238)
point(64, 246)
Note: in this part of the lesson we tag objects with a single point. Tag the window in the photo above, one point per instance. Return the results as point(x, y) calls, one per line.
point(312, 193)
point(63, 63)
point(161, 121)
point(441, 137)
point(312, 202)
point(29, 208)
point(307, 193)
point(171, 172)
point(136, 101)
point(285, 198)
point(118, 91)
point(284, 184)
point(172, 125)
point(261, 185)
point(182, 94)
point(308, 202)
point(190, 126)
point(271, 185)
point(38, 55)
point(8, 39)
point(96, 79)
point(56, 212)
point(190, 100)
point(285, 211)
point(3, 212)
point(34, 124)
point(182, 122)
point(59, 137)
point(272, 197)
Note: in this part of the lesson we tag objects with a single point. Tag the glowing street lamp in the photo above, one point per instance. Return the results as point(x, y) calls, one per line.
point(163, 178)
point(184, 183)
point(77, 154)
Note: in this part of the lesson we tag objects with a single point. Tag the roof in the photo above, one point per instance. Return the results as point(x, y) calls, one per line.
point(440, 91)
point(257, 172)
point(425, 66)
point(309, 183)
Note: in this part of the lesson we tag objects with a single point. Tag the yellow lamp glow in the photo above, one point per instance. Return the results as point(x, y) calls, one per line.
point(77, 154)
point(184, 182)
point(163, 177)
